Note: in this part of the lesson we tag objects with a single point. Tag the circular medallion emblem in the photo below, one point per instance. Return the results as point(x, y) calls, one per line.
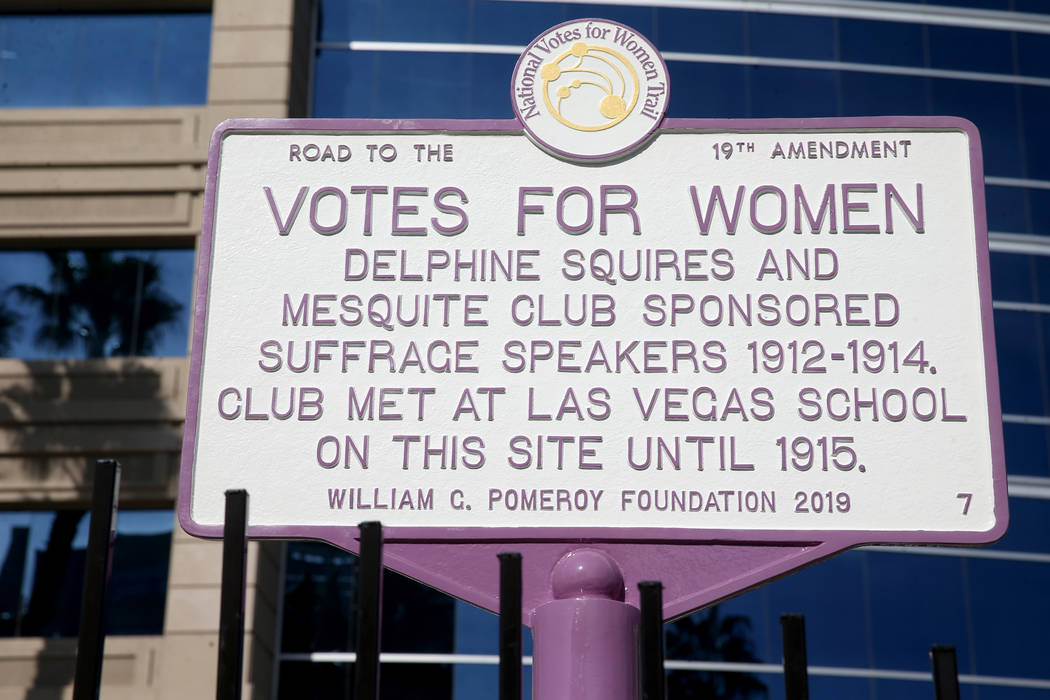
point(590, 89)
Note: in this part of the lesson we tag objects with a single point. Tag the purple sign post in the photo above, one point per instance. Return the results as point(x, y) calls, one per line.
point(707, 352)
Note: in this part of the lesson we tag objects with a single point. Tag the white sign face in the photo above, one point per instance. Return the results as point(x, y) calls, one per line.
point(747, 332)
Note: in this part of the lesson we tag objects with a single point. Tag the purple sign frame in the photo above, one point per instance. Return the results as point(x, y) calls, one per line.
point(697, 567)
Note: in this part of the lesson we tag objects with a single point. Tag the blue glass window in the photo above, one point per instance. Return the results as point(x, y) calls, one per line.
point(708, 90)
point(641, 19)
point(104, 60)
point(94, 303)
point(319, 615)
point(1010, 617)
point(1006, 208)
point(1029, 523)
point(993, 108)
point(962, 48)
point(886, 43)
point(875, 94)
point(920, 690)
point(1016, 277)
point(477, 632)
point(980, 4)
point(417, 85)
point(928, 592)
point(1033, 54)
point(346, 83)
point(1027, 5)
point(793, 92)
point(717, 633)
point(884, 610)
point(1035, 105)
point(413, 85)
point(42, 571)
point(423, 20)
point(701, 32)
point(489, 86)
point(1027, 449)
point(343, 21)
point(513, 23)
point(1022, 353)
point(831, 595)
point(1039, 203)
point(791, 36)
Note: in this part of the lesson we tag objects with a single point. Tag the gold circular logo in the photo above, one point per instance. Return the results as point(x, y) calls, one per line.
point(590, 90)
point(589, 87)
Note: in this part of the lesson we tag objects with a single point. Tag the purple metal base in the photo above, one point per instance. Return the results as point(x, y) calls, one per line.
point(581, 599)
point(585, 642)
point(694, 574)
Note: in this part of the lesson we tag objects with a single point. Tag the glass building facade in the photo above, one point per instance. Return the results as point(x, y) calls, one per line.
point(104, 60)
point(871, 614)
point(90, 301)
point(61, 60)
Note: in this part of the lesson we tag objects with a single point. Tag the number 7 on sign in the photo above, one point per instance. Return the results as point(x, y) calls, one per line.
point(967, 497)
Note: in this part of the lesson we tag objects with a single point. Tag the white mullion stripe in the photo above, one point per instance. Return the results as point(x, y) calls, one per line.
point(1025, 491)
point(1005, 681)
point(1025, 420)
point(679, 665)
point(723, 666)
point(880, 68)
point(841, 672)
point(1017, 182)
point(906, 12)
point(729, 59)
point(422, 47)
point(964, 553)
point(1030, 486)
point(1028, 306)
point(401, 658)
point(1031, 480)
point(1020, 243)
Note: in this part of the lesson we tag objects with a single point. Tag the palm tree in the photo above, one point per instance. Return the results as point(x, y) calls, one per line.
point(9, 326)
point(708, 636)
point(115, 306)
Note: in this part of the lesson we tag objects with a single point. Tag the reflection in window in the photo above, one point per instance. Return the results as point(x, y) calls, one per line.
point(886, 43)
point(104, 60)
point(965, 48)
point(94, 303)
point(1016, 277)
point(993, 108)
point(320, 615)
point(42, 571)
point(1027, 448)
point(713, 635)
point(1020, 338)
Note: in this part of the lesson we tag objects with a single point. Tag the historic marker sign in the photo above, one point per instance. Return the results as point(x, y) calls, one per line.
point(766, 329)
point(743, 331)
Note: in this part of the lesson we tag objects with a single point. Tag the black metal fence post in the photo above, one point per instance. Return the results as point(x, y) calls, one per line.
point(945, 672)
point(88, 677)
point(231, 607)
point(796, 667)
point(509, 626)
point(651, 639)
point(369, 611)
